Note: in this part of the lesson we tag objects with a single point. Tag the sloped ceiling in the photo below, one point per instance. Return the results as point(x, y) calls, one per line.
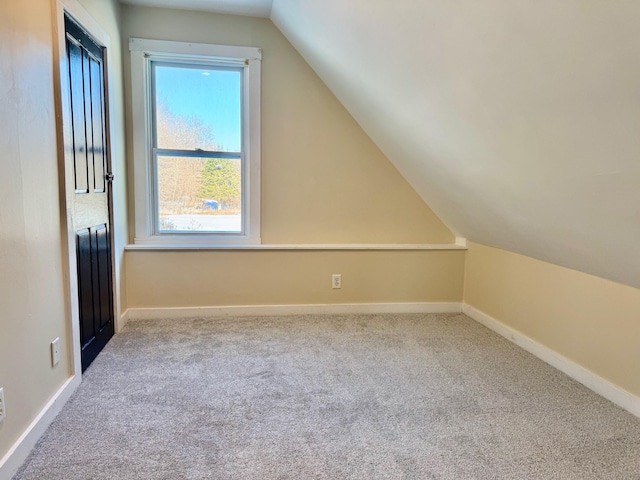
point(518, 121)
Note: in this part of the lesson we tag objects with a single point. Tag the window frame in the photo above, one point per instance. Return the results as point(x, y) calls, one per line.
point(143, 53)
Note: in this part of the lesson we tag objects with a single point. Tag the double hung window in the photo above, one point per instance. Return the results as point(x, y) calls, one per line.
point(196, 115)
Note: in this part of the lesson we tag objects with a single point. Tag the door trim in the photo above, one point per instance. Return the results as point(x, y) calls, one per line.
point(18, 453)
point(62, 104)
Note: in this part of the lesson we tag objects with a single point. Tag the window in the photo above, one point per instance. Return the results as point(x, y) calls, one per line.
point(196, 120)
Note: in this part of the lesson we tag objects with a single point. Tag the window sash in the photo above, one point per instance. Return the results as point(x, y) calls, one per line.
point(194, 154)
point(196, 65)
point(143, 53)
point(167, 152)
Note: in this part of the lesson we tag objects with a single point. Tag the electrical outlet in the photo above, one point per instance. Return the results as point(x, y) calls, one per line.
point(336, 280)
point(55, 351)
point(3, 410)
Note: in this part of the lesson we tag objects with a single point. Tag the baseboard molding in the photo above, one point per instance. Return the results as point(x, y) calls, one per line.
point(124, 319)
point(20, 450)
point(271, 310)
point(594, 382)
point(18, 453)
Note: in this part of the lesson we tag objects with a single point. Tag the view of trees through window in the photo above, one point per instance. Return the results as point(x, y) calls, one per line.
point(195, 193)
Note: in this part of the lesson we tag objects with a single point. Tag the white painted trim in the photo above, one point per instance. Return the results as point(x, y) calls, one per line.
point(78, 12)
point(594, 382)
point(281, 310)
point(122, 321)
point(143, 52)
point(65, 174)
point(204, 50)
point(461, 241)
point(295, 247)
point(21, 449)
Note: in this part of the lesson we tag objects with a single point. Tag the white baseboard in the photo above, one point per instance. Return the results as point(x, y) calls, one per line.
point(250, 310)
point(20, 450)
point(601, 386)
point(18, 453)
point(124, 319)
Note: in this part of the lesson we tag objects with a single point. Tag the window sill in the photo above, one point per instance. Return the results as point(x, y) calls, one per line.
point(298, 247)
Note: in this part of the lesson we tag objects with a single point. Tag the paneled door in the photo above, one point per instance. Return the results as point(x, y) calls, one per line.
point(88, 150)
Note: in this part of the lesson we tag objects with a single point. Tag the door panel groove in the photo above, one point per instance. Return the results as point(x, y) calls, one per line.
point(92, 197)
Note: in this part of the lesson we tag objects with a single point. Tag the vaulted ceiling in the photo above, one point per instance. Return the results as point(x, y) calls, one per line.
point(517, 121)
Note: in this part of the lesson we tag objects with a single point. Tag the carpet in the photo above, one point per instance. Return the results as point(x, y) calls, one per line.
point(412, 396)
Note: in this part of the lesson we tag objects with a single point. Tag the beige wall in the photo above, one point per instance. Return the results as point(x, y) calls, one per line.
point(185, 279)
point(323, 179)
point(32, 293)
point(33, 306)
point(513, 119)
point(590, 320)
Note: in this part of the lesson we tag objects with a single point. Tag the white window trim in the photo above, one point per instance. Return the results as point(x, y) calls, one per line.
point(141, 52)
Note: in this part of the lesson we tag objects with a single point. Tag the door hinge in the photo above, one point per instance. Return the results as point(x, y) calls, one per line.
point(109, 177)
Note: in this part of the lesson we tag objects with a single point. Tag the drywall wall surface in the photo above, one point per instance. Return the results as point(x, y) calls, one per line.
point(107, 15)
point(323, 179)
point(251, 8)
point(516, 121)
point(33, 293)
point(32, 290)
point(589, 320)
point(211, 278)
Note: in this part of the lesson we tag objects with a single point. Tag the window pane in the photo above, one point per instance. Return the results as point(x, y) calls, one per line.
point(199, 194)
point(198, 108)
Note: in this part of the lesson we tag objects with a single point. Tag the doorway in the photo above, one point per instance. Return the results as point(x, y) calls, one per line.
point(87, 152)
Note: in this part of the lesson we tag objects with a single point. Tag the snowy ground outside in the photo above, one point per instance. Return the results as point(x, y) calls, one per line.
point(206, 223)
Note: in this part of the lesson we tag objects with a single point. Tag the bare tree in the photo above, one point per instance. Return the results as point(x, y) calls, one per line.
point(180, 178)
point(192, 185)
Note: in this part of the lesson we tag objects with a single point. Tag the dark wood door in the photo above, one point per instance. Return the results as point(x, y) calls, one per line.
point(89, 153)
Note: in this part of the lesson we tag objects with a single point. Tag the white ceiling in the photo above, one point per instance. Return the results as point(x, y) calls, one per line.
point(252, 8)
point(518, 121)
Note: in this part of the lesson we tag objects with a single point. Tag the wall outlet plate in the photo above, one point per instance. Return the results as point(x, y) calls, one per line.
point(3, 410)
point(55, 351)
point(336, 280)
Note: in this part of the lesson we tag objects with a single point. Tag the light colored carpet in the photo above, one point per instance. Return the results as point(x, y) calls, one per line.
point(331, 397)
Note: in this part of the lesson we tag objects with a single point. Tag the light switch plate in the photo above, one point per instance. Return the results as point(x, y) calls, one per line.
point(3, 410)
point(55, 351)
